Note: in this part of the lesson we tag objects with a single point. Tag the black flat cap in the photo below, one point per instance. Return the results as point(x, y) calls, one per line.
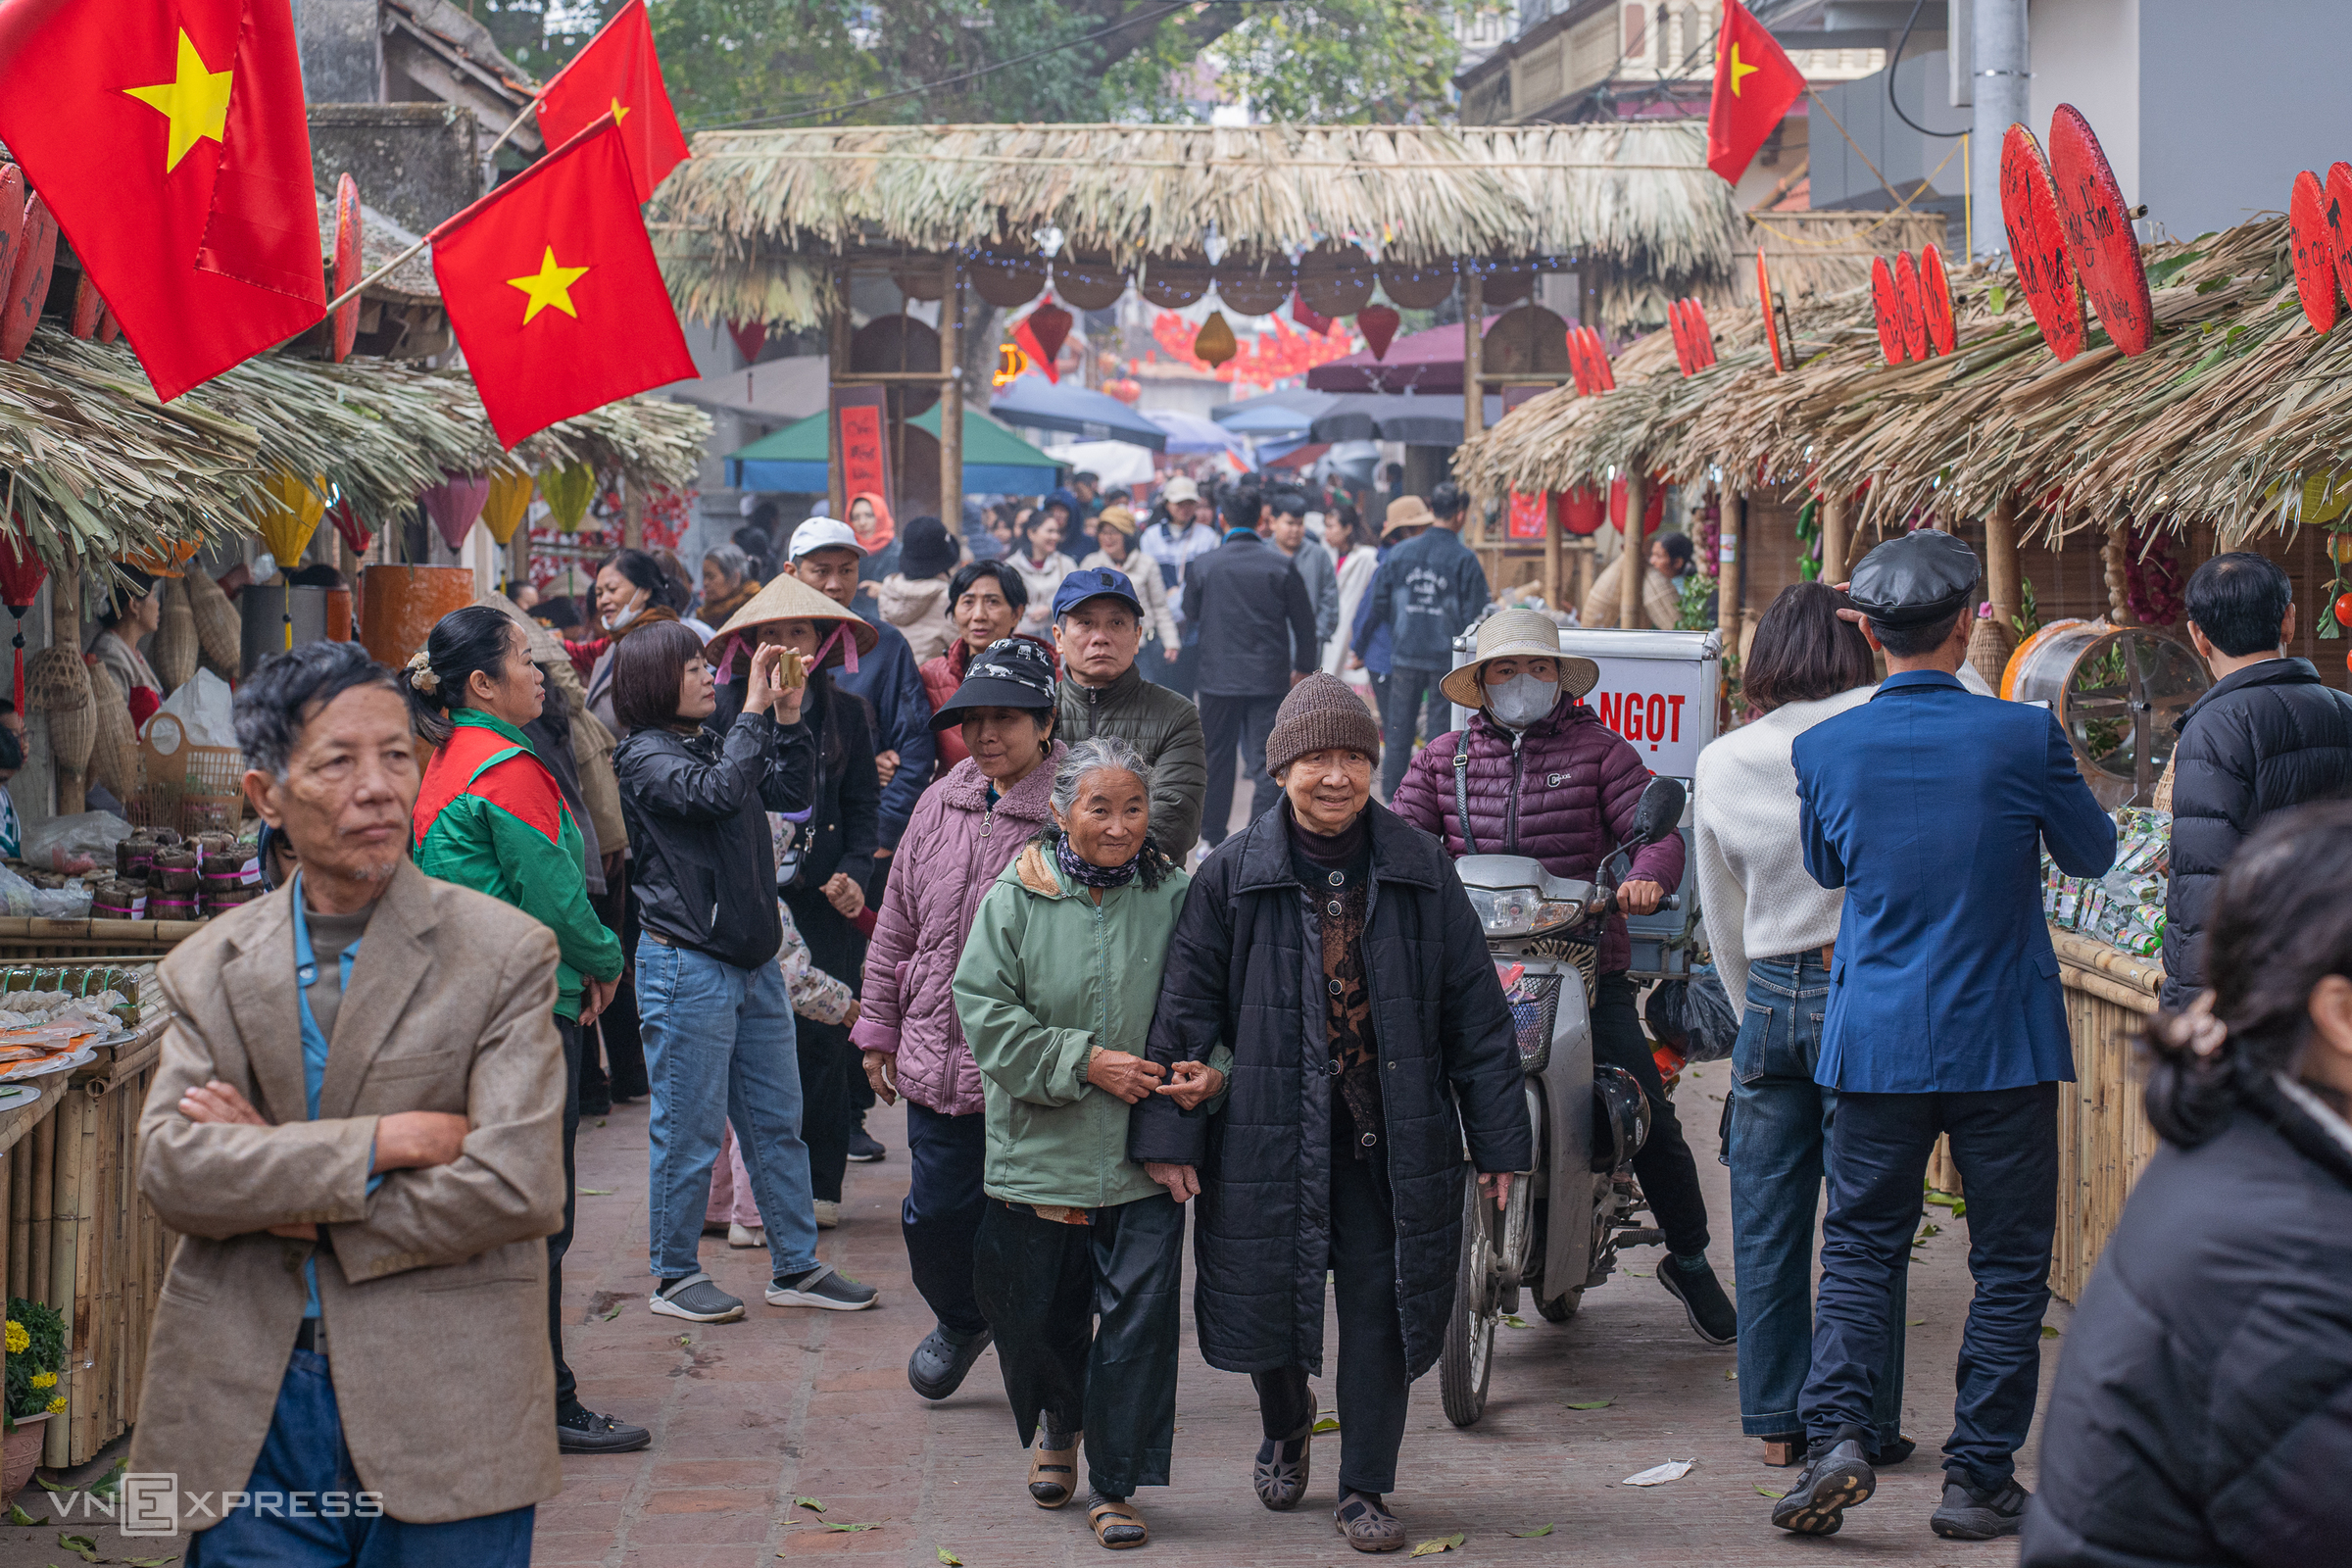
point(1915, 580)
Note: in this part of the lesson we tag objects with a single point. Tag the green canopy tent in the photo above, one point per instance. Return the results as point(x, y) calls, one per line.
point(995, 461)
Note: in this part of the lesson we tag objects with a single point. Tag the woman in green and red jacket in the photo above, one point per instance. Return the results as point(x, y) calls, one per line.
point(491, 817)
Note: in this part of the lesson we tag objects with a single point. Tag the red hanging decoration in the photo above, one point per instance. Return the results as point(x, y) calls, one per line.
point(1379, 325)
point(356, 533)
point(1308, 316)
point(749, 337)
point(21, 573)
point(1050, 326)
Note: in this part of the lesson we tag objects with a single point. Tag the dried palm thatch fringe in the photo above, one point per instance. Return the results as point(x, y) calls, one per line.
point(748, 226)
point(2237, 401)
point(103, 469)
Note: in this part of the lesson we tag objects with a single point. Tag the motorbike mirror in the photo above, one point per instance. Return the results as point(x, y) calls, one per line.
point(1658, 810)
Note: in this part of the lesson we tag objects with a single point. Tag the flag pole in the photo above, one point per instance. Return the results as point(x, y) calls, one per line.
point(417, 249)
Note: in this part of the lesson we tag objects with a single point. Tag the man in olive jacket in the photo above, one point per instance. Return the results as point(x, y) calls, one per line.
point(356, 1128)
point(1099, 624)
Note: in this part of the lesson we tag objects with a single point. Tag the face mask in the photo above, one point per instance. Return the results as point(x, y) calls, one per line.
point(1522, 699)
point(626, 616)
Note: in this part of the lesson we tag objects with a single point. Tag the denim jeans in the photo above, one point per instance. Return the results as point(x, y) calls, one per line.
point(1413, 700)
point(718, 1048)
point(1778, 1132)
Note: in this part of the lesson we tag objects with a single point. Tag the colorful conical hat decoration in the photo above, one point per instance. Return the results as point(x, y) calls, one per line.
point(789, 599)
point(568, 492)
point(454, 504)
point(507, 504)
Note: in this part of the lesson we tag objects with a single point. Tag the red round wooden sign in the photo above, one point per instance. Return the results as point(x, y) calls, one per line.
point(2315, 250)
point(1702, 336)
point(2337, 210)
point(1680, 329)
point(347, 264)
point(1885, 309)
point(1911, 313)
point(89, 308)
point(1935, 301)
point(28, 278)
point(1772, 332)
point(11, 217)
point(2098, 231)
point(2038, 243)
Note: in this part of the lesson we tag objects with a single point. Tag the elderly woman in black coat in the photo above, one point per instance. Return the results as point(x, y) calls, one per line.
point(2203, 1407)
point(1327, 1008)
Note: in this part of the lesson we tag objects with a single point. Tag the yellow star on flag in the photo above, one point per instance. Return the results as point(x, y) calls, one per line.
point(620, 111)
point(1739, 72)
point(195, 102)
point(550, 285)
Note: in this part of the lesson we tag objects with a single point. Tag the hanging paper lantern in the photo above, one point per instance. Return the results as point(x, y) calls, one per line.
point(1379, 325)
point(454, 504)
point(568, 492)
point(1050, 326)
point(508, 501)
point(1215, 344)
point(1306, 315)
point(749, 338)
point(288, 516)
point(356, 533)
point(21, 573)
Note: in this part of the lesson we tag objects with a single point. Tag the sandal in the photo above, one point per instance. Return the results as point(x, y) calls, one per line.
point(1280, 1474)
point(1367, 1524)
point(1054, 1470)
point(1118, 1525)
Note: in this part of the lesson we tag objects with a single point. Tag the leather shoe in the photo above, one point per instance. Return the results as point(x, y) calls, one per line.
point(940, 1365)
point(1967, 1514)
point(1835, 1477)
point(581, 1430)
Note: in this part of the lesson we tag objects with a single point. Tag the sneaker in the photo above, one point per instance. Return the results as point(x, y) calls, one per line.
point(1967, 1514)
point(939, 1365)
point(1713, 1318)
point(696, 1299)
point(1888, 1457)
point(580, 1430)
point(746, 1235)
point(1835, 1477)
point(824, 1287)
point(828, 1213)
point(864, 1148)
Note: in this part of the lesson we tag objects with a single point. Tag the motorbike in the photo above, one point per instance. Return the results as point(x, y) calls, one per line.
point(1559, 1232)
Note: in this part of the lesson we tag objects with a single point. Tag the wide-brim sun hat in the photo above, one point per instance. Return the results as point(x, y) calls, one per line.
point(1518, 634)
point(789, 599)
point(1406, 512)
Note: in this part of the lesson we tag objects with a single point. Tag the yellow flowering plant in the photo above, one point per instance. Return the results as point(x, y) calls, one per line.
point(37, 1359)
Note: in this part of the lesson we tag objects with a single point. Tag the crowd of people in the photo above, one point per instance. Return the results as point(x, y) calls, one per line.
point(908, 818)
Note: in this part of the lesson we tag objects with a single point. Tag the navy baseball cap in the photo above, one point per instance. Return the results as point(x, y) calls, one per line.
point(1096, 582)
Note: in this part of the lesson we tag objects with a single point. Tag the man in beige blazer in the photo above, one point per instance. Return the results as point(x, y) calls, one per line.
point(356, 1130)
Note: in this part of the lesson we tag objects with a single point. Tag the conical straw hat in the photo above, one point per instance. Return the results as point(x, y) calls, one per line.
point(789, 599)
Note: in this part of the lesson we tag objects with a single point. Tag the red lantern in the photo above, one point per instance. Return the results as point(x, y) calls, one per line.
point(749, 338)
point(21, 573)
point(2343, 610)
point(356, 533)
point(1306, 315)
point(1581, 510)
point(1050, 326)
point(1126, 389)
point(1379, 325)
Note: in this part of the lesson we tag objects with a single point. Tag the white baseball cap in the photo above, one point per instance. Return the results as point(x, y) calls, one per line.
point(823, 533)
point(1180, 488)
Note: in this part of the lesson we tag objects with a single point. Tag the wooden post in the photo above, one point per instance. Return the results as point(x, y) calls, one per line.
point(836, 365)
point(1836, 520)
point(1584, 576)
point(1474, 409)
point(518, 558)
point(951, 401)
point(1636, 551)
point(2001, 580)
point(1730, 566)
point(65, 631)
point(1551, 552)
point(632, 514)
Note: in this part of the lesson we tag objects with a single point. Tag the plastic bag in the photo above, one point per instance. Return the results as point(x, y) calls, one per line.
point(203, 705)
point(83, 842)
point(1694, 1017)
point(21, 897)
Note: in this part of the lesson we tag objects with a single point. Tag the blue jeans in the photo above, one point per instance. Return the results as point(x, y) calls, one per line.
point(304, 1465)
point(718, 1048)
point(1413, 700)
point(1779, 1130)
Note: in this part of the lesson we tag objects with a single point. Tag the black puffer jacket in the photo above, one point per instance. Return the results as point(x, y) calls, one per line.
point(1245, 970)
point(2203, 1407)
point(697, 807)
point(2266, 738)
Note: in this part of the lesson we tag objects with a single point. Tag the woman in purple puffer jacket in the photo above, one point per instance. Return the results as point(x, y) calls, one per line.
point(965, 829)
point(1546, 778)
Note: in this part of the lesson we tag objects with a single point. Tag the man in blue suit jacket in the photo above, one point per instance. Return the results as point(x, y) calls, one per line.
point(1929, 806)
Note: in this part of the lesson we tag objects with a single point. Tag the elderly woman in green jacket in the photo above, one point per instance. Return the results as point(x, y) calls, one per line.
point(1055, 992)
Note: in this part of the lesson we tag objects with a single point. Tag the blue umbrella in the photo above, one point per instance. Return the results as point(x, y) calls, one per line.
point(1288, 412)
point(1042, 405)
point(1190, 433)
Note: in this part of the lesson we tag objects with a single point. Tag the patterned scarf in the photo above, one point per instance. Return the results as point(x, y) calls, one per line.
point(1086, 874)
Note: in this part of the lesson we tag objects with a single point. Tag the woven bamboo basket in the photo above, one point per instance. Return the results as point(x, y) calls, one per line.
point(218, 637)
point(175, 651)
point(115, 757)
point(1988, 650)
point(58, 683)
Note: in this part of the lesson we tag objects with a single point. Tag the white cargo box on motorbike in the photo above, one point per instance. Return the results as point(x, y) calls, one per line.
point(1661, 691)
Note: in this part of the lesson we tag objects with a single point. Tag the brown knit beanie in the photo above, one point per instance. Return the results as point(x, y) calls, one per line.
point(1321, 713)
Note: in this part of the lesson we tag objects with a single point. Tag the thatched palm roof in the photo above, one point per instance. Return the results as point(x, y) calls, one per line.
point(746, 226)
point(98, 469)
point(2237, 399)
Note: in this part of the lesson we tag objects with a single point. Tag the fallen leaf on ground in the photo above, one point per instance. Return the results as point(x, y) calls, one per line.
point(810, 1504)
point(1639, 1273)
point(2048, 1333)
point(1529, 1535)
point(596, 1191)
point(1732, 1375)
point(82, 1546)
point(18, 1516)
point(1592, 1404)
point(1430, 1548)
point(1767, 1491)
point(1657, 1475)
point(950, 1558)
point(1328, 1424)
point(600, 1121)
point(609, 1316)
point(149, 1562)
point(1515, 1320)
point(847, 1529)
point(1912, 1322)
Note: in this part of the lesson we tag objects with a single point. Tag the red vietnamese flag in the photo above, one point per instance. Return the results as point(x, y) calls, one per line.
point(1756, 82)
point(551, 286)
point(170, 138)
point(619, 74)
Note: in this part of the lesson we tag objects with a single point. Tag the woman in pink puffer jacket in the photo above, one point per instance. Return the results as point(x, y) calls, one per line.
point(965, 829)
